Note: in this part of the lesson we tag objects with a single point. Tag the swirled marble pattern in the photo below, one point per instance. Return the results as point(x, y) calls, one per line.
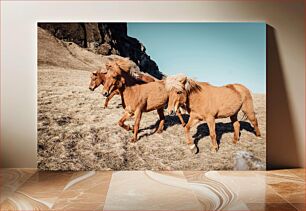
point(12, 179)
point(146, 190)
point(60, 191)
point(28, 189)
point(177, 193)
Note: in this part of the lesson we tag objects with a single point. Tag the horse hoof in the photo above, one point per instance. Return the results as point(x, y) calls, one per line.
point(214, 150)
point(192, 147)
point(159, 131)
point(258, 134)
point(128, 128)
point(132, 140)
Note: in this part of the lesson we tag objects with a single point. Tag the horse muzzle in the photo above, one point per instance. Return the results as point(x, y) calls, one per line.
point(105, 93)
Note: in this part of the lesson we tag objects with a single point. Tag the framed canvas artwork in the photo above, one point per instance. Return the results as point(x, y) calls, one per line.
point(151, 96)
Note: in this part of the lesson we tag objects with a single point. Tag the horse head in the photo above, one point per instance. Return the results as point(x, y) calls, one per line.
point(96, 79)
point(176, 87)
point(113, 78)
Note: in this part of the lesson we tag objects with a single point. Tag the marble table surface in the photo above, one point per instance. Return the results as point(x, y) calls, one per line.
point(31, 189)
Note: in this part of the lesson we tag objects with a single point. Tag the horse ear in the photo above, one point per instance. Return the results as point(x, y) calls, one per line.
point(118, 71)
point(183, 79)
point(187, 85)
point(103, 70)
point(108, 65)
point(122, 80)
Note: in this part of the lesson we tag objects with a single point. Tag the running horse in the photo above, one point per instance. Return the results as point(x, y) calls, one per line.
point(206, 102)
point(137, 96)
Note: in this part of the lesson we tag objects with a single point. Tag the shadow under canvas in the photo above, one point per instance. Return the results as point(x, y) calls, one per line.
point(281, 140)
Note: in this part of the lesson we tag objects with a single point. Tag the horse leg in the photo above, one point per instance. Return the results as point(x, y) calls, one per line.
point(212, 132)
point(161, 120)
point(125, 116)
point(138, 115)
point(192, 121)
point(178, 113)
point(254, 122)
point(109, 98)
point(236, 126)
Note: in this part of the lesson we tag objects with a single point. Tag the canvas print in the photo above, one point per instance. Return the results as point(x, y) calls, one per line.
point(151, 96)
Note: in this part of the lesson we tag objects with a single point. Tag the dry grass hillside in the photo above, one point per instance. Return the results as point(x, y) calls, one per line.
point(54, 52)
point(76, 133)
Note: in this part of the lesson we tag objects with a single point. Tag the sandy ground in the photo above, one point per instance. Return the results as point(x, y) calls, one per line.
point(76, 133)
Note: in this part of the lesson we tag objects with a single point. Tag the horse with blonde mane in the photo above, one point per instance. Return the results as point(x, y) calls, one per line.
point(206, 102)
point(98, 77)
point(137, 97)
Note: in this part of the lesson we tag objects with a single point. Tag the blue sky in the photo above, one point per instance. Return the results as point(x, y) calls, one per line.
point(219, 53)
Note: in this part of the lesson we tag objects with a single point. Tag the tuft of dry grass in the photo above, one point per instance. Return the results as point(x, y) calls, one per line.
point(76, 133)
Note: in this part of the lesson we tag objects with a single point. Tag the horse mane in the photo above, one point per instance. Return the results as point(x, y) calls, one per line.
point(130, 67)
point(181, 82)
point(192, 85)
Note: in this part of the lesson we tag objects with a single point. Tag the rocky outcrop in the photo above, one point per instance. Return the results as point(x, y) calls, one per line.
point(105, 39)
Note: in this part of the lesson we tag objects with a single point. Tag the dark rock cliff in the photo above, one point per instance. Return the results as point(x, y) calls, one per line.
point(105, 39)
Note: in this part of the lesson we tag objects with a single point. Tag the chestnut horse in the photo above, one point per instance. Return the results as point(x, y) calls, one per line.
point(206, 102)
point(137, 97)
point(98, 77)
